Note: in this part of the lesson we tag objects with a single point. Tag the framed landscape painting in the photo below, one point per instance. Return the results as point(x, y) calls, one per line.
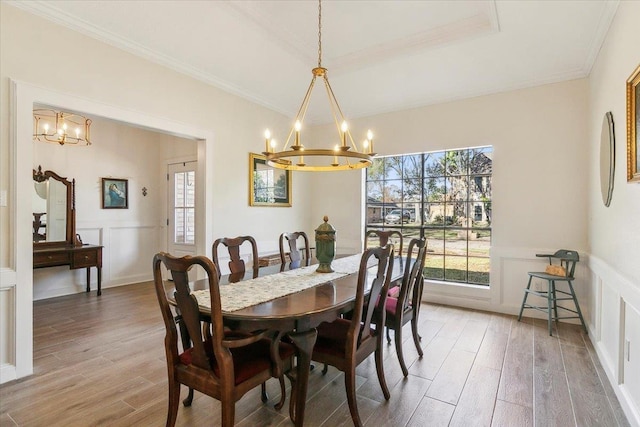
point(268, 186)
point(115, 193)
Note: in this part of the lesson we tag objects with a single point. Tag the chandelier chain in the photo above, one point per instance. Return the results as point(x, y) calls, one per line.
point(319, 33)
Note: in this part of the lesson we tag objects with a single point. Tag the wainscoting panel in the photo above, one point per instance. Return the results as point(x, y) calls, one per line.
point(610, 326)
point(631, 354)
point(130, 254)
point(616, 335)
point(126, 258)
point(7, 325)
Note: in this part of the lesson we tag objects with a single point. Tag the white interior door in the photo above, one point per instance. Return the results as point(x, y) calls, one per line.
point(181, 197)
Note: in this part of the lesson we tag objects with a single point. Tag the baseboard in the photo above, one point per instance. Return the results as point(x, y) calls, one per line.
point(7, 373)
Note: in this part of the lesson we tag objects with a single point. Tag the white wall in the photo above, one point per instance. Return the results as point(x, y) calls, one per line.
point(614, 232)
point(103, 78)
point(130, 236)
point(539, 192)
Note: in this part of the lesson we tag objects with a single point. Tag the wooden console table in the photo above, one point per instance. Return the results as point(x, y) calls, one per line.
point(84, 256)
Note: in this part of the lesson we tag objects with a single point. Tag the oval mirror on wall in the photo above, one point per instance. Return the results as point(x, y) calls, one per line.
point(607, 158)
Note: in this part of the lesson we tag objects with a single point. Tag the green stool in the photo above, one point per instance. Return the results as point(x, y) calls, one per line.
point(568, 260)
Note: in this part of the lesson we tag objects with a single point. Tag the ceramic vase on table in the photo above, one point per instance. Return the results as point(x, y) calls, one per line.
point(325, 246)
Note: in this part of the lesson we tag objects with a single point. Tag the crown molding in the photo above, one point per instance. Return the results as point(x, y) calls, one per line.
point(404, 106)
point(48, 11)
point(602, 29)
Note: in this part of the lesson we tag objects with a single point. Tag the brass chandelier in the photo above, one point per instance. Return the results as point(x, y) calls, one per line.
point(61, 128)
point(344, 155)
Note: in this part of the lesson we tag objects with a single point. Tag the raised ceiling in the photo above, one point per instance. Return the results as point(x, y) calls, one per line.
point(382, 55)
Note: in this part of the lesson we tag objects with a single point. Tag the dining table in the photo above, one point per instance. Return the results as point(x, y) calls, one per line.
point(291, 301)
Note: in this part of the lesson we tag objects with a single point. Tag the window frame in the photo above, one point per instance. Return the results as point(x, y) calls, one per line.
point(468, 172)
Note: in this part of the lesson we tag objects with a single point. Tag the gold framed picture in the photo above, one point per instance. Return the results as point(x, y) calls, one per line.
point(268, 186)
point(633, 123)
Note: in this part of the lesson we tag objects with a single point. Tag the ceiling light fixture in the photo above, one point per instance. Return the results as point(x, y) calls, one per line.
point(61, 128)
point(344, 155)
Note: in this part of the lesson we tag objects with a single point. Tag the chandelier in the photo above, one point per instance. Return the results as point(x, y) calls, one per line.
point(61, 128)
point(343, 155)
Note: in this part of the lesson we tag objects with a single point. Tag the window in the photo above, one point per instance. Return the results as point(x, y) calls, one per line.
point(184, 207)
point(443, 196)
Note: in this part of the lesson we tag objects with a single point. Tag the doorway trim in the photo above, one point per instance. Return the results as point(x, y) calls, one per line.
point(23, 96)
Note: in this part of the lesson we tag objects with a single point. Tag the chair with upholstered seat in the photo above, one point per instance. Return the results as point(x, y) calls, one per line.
point(237, 267)
point(236, 263)
point(384, 238)
point(564, 272)
point(297, 257)
point(345, 343)
point(403, 302)
point(224, 365)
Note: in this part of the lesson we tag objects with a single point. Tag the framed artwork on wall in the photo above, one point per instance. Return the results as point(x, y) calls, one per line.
point(115, 193)
point(633, 123)
point(268, 186)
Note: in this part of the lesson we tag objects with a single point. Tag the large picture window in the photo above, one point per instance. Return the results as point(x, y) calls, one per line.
point(443, 196)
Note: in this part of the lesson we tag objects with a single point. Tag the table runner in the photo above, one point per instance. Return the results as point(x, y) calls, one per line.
point(236, 296)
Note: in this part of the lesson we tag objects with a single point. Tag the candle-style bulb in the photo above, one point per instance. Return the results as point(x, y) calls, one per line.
point(46, 128)
point(344, 133)
point(369, 135)
point(267, 136)
point(273, 144)
point(77, 132)
point(298, 126)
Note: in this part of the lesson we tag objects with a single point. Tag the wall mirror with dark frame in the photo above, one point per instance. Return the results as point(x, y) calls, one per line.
point(54, 215)
point(607, 158)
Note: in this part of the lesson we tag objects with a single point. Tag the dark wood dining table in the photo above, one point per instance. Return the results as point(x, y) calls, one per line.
point(297, 315)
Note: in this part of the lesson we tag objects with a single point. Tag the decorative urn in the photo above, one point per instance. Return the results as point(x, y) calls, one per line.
point(325, 246)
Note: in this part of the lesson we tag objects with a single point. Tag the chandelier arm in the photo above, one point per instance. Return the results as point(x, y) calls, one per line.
point(307, 96)
point(332, 101)
point(336, 112)
point(301, 110)
point(334, 97)
point(303, 113)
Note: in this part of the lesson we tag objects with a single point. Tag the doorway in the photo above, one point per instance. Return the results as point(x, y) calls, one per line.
point(181, 209)
point(19, 352)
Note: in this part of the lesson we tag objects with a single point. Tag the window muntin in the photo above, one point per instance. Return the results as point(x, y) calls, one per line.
point(184, 207)
point(448, 194)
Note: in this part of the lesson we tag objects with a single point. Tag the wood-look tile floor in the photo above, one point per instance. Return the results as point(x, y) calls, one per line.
point(100, 362)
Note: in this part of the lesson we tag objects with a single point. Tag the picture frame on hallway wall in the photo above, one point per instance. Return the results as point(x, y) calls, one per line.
point(633, 124)
point(268, 186)
point(115, 193)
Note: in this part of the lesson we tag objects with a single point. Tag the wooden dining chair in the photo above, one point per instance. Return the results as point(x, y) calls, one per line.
point(384, 238)
point(224, 365)
point(236, 263)
point(345, 343)
point(295, 255)
point(403, 302)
